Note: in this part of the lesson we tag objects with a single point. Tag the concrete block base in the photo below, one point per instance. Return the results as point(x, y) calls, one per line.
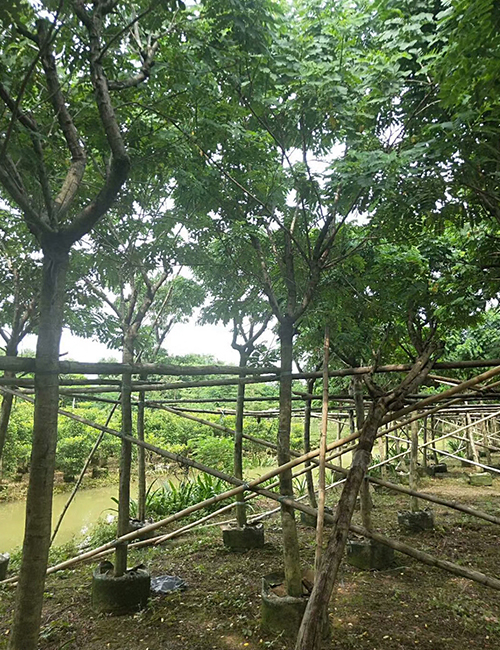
point(416, 522)
point(4, 565)
point(368, 555)
point(437, 469)
point(242, 539)
point(280, 613)
point(312, 520)
point(123, 595)
point(484, 478)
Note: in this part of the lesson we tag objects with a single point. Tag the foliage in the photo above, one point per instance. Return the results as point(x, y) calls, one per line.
point(17, 450)
point(215, 452)
point(170, 497)
point(456, 447)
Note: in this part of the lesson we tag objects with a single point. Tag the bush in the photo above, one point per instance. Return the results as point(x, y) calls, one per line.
point(72, 453)
point(215, 452)
point(171, 498)
point(17, 449)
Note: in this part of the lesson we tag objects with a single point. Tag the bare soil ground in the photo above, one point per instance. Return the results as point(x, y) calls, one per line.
point(407, 606)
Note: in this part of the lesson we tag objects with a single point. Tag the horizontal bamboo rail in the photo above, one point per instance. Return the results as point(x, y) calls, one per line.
point(28, 364)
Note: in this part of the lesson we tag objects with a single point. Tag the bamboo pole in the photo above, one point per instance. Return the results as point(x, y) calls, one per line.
point(413, 464)
point(430, 560)
point(470, 462)
point(444, 395)
point(182, 460)
point(421, 556)
point(322, 454)
point(25, 364)
point(80, 477)
point(240, 487)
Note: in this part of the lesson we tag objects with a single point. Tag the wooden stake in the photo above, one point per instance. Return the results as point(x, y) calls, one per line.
point(413, 464)
point(322, 453)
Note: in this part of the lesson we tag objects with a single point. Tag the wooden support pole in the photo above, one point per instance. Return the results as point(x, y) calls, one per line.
point(322, 454)
point(25, 364)
point(424, 446)
point(486, 442)
point(413, 478)
point(141, 459)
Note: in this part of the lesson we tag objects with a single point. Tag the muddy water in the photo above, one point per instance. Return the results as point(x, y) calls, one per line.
point(87, 507)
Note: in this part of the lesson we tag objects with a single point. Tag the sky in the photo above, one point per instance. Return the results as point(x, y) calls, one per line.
point(184, 338)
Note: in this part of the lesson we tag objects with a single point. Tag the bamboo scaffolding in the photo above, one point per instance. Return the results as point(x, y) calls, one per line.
point(421, 556)
point(253, 485)
point(468, 461)
point(25, 364)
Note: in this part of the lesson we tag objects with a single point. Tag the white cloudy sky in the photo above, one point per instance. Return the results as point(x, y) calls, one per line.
point(183, 339)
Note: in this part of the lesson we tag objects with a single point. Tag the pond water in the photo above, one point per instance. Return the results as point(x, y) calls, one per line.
point(86, 508)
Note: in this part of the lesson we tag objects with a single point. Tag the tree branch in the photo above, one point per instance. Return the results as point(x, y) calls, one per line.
point(266, 279)
point(102, 295)
point(120, 162)
point(74, 176)
point(147, 63)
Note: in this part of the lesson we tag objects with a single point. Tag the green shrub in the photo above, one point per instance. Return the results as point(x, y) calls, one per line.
point(72, 453)
point(170, 498)
point(17, 449)
point(215, 452)
point(456, 447)
point(102, 532)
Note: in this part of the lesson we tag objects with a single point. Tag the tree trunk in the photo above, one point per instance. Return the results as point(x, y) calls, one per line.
point(241, 515)
point(291, 555)
point(309, 637)
point(29, 595)
point(125, 461)
point(322, 455)
point(365, 498)
point(141, 457)
point(307, 443)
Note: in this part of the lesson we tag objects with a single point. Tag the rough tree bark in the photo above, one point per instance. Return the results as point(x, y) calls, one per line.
point(291, 555)
point(309, 637)
point(241, 515)
point(29, 595)
point(366, 505)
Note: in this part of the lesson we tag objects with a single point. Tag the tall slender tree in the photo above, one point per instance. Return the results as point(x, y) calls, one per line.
point(64, 159)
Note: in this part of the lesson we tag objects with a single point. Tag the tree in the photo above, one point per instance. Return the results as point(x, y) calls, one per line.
point(131, 275)
point(64, 159)
point(251, 182)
